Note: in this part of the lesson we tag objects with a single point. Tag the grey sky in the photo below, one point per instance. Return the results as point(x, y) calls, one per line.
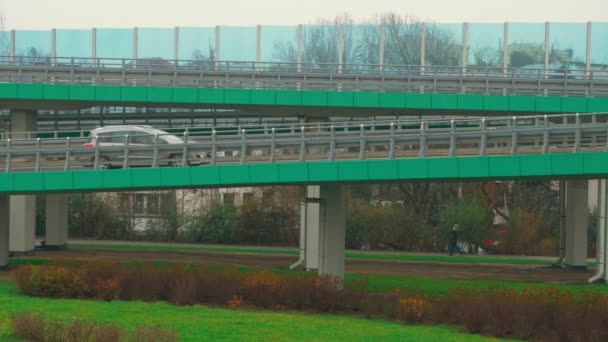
point(46, 14)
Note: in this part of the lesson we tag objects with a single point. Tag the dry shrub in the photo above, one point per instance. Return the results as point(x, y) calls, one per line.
point(235, 302)
point(542, 314)
point(154, 334)
point(35, 328)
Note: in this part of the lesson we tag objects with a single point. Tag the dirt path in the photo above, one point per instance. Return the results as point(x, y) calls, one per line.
point(404, 268)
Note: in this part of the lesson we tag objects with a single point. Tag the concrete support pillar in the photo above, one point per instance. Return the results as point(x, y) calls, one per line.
point(56, 221)
point(4, 229)
point(577, 215)
point(22, 207)
point(312, 220)
point(332, 232)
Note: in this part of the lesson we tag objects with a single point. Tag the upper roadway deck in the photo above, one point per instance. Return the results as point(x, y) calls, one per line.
point(289, 88)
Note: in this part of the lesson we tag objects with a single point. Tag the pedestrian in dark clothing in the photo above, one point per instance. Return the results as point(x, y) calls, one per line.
point(453, 247)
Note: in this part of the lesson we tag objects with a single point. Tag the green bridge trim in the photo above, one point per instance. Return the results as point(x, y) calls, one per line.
point(576, 165)
point(306, 98)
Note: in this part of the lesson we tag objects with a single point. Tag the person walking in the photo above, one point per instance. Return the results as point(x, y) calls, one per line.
point(453, 247)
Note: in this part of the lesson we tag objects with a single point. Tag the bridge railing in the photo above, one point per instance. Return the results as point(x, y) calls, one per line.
point(331, 141)
point(305, 76)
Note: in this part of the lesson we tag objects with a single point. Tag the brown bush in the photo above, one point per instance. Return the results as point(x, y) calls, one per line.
point(533, 314)
point(35, 328)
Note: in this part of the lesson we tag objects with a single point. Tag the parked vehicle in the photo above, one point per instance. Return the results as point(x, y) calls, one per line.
point(139, 141)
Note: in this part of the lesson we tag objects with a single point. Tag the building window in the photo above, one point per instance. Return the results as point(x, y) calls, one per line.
point(248, 198)
point(229, 198)
point(139, 204)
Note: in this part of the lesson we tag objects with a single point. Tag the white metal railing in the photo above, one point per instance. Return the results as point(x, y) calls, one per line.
point(319, 141)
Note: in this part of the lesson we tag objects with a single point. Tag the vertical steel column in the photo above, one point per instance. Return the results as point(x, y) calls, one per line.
point(12, 52)
point(340, 47)
point(135, 35)
point(423, 47)
point(299, 47)
point(588, 65)
point(4, 229)
point(258, 46)
point(217, 48)
point(465, 32)
point(547, 36)
point(505, 48)
point(53, 46)
point(94, 44)
point(381, 56)
point(176, 45)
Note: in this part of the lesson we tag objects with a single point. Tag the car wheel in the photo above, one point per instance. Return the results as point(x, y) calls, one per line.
point(175, 160)
point(104, 162)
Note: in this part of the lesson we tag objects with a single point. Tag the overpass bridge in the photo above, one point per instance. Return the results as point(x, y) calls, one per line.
point(571, 148)
point(148, 68)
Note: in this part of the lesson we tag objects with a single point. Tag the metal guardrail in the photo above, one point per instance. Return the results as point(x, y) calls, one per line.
point(343, 141)
point(304, 76)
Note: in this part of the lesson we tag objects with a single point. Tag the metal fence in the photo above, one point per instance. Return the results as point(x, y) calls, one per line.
point(313, 142)
point(303, 76)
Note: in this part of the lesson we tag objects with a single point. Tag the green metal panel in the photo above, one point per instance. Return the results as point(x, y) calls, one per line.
point(263, 96)
point(522, 103)
point(534, 165)
point(567, 164)
point(413, 168)
point(383, 169)
point(368, 100)
point(57, 92)
point(147, 177)
point(88, 179)
point(185, 95)
point(496, 102)
point(322, 171)
point(597, 104)
point(210, 95)
point(314, 98)
point(28, 181)
point(57, 180)
point(595, 162)
point(443, 168)
point(352, 170)
point(504, 166)
point(293, 172)
point(118, 179)
point(392, 100)
point(82, 92)
point(470, 102)
point(444, 101)
point(205, 175)
point(418, 101)
point(108, 93)
point(30, 91)
point(289, 97)
point(8, 91)
point(264, 173)
point(340, 99)
point(548, 104)
point(237, 96)
point(175, 176)
point(574, 104)
point(234, 175)
point(474, 166)
point(6, 182)
point(135, 94)
point(159, 94)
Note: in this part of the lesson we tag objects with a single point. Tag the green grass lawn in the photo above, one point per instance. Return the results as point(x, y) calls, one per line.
point(200, 323)
point(476, 259)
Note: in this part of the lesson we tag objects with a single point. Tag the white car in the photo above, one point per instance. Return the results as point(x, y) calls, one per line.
point(141, 140)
